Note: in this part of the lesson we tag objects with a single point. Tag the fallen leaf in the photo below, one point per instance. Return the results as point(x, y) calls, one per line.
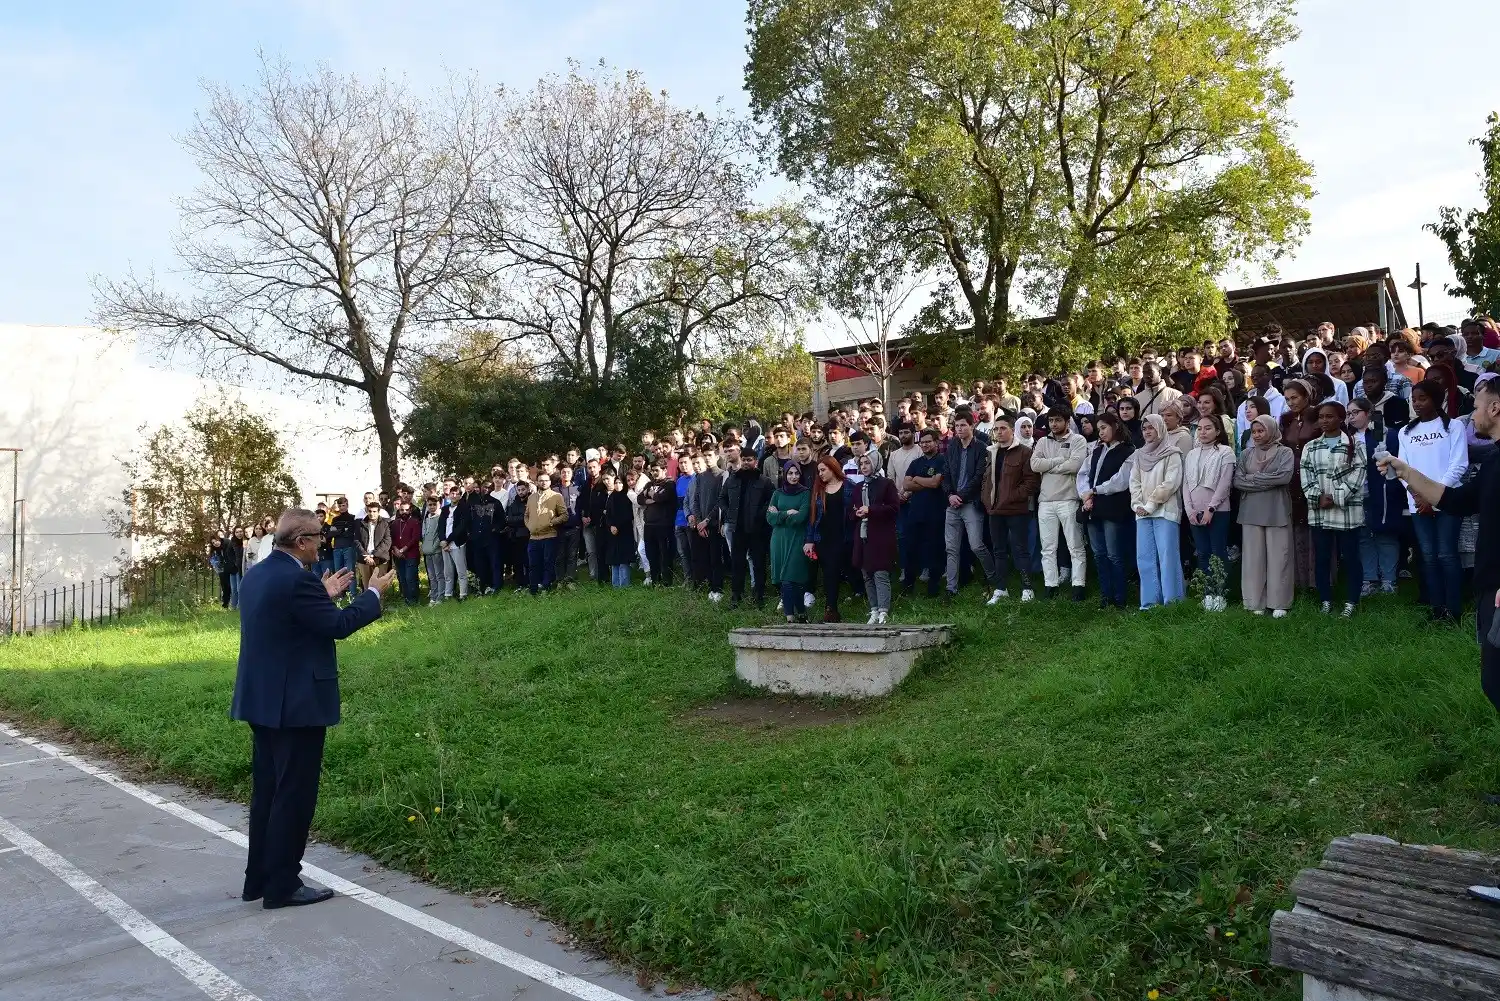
point(1154, 847)
point(1069, 975)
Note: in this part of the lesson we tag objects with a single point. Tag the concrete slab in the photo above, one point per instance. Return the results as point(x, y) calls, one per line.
point(55, 944)
point(840, 660)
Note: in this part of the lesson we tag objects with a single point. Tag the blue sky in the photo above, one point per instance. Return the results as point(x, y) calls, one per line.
point(92, 95)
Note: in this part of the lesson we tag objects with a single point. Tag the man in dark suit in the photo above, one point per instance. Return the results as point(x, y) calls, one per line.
point(287, 689)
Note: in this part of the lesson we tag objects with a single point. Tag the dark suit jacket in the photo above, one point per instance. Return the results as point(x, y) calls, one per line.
point(288, 671)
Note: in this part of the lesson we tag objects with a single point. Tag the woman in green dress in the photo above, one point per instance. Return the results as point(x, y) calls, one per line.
point(787, 517)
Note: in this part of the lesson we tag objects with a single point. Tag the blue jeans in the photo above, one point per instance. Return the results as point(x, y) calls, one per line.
point(1378, 552)
point(234, 590)
point(1325, 542)
point(791, 597)
point(927, 553)
point(1437, 541)
point(1107, 539)
point(619, 574)
point(343, 559)
point(542, 555)
point(406, 576)
point(320, 567)
point(1212, 540)
point(1158, 557)
point(965, 521)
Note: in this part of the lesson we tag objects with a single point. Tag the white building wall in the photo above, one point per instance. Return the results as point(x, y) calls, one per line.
point(77, 400)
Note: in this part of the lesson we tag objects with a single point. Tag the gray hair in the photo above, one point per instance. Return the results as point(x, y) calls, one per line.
point(293, 522)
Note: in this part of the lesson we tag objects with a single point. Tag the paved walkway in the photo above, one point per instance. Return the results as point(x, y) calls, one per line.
point(112, 890)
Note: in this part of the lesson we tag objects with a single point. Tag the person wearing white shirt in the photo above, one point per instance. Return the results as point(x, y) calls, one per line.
point(1315, 362)
point(1260, 378)
point(1437, 448)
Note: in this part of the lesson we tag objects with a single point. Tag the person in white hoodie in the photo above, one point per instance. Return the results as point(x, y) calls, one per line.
point(1315, 362)
point(1436, 447)
point(1155, 479)
point(1207, 471)
point(1058, 457)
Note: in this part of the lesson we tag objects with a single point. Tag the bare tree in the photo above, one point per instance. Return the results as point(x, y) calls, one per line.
point(868, 283)
point(606, 202)
point(331, 226)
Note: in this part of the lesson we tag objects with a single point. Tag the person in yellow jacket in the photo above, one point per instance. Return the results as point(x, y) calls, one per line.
point(545, 512)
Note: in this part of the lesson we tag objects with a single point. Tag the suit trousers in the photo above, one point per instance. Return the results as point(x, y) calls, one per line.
point(1053, 516)
point(1266, 559)
point(285, 765)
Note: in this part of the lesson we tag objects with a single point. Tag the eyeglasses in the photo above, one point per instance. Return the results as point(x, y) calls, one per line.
point(308, 535)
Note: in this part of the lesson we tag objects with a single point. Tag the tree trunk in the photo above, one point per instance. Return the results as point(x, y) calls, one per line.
point(385, 431)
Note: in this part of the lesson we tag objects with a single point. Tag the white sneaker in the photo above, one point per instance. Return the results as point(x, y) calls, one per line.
point(1279, 613)
point(778, 604)
point(1348, 611)
point(715, 597)
point(880, 617)
point(1327, 607)
point(1028, 594)
point(874, 614)
point(648, 581)
point(1222, 602)
point(807, 600)
point(1064, 574)
point(1257, 611)
point(1208, 603)
point(998, 594)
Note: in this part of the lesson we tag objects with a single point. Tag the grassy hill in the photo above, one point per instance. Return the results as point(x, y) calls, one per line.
point(1063, 804)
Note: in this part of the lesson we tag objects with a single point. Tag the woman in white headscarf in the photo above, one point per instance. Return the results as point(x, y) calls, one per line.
point(1266, 561)
point(1155, 482)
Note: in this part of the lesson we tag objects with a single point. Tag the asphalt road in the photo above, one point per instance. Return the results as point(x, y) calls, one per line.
point(110, 890)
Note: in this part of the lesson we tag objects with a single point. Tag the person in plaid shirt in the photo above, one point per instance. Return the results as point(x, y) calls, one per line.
point(1333, 481)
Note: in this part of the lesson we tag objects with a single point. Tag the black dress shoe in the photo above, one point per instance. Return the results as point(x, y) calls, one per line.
point(301, 897)
point(251, 894)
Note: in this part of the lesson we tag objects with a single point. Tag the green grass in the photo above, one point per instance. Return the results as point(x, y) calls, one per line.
point(1062, 804)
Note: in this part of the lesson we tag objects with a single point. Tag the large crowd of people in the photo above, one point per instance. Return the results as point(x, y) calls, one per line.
point(1265, 465)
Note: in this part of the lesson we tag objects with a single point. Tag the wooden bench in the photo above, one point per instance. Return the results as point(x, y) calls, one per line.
point(1383, 921)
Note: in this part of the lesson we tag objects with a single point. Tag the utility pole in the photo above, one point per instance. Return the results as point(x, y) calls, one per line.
point(1419, 284)
point(17, 542)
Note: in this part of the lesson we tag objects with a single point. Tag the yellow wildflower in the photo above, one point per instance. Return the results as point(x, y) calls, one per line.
point(437, 809)
point(1153, 994)
point(411, 818)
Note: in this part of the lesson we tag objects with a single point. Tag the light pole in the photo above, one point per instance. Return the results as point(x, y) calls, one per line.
point(1419, 284)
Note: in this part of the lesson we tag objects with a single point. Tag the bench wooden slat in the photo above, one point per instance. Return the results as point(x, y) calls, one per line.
point(1442, 917)
point(1339, 952)
point(1432, 868)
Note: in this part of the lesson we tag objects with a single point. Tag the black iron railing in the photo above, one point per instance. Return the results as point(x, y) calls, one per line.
point(106, 598)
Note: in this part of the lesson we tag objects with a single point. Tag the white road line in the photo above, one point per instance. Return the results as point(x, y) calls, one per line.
point(522, 964)
point(198, 971)
point(23, 761)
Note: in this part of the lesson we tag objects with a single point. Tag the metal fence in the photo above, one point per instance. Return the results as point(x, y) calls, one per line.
point(105, 598)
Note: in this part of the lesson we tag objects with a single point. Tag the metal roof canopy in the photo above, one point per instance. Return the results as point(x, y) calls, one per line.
point(1346, 301)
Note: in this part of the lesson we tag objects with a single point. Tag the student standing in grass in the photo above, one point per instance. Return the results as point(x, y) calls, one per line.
point(1333, 481)
point(1155, 479)
point(874, 510)
point(619, 529)
point(787, 515)
point(545, 513)
point(824, 540)
point(1207, 472)
point(1261, 476)
point(1104, 494)
point(1435, 446)
point(432, 551)
point(1385, 501)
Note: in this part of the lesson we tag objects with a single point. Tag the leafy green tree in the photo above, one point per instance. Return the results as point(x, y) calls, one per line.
point(222, 466)
point(1042, 151)
point(1473, 237)
point(760, 381)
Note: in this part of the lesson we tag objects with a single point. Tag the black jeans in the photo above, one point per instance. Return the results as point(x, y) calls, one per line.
point(833, 560)
point(930, 554)
point(1010, 535)
point(708, 560)
point(659, 552)
point(749, 546)
point(224, 590)
point(285, 765)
